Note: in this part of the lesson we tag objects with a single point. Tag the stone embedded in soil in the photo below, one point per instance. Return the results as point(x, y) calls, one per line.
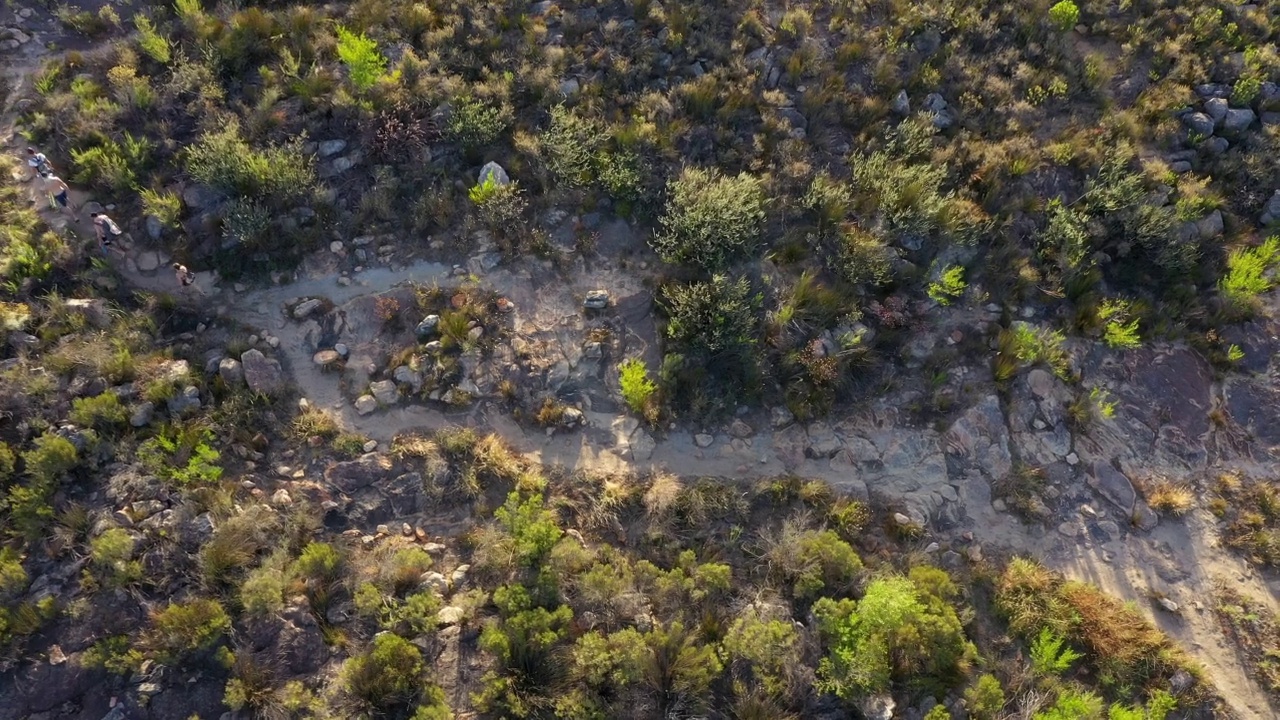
point(230, 371)
point(366, 404)
point(428, 327)
point(148, 261)
point(596, 300)
point(1112, 485)
point(326, 358)
point(703, 440)
point(262, 373)
point(305, 308)
point(385, 391)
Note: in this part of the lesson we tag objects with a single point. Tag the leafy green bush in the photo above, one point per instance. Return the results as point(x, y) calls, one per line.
point(949, 286)
point(770, 647)
point(499, 207)
point(360, 55)
point(531, 526)
point(155, 45)
point(389, 675)
point(1119, 331)
point(182, 631)
point(1064, 15)
point(637, 388)
point(714, 319)
point(52, 457)
point(897, 630)
point(245, 222)
point(476, 124)
point(13, 577)
point(985, 700)
point(319, 563)
point(182, 455)
point(569, 145)
point(813, 562)
point(165, 205)
point(102, 412)
point(262, 592)
point(7, 462)
point(711, 221)
point(225, 161)
point(115, 654)
point(1248, 272)
point(113, 165)
point(1073, 704)
point(1049, 656)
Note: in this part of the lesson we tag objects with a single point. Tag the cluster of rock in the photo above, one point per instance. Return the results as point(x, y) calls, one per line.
point(1217, 121)
point(260, 373)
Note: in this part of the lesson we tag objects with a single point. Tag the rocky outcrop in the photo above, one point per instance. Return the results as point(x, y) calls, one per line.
point(263, 374)
point(352, 475)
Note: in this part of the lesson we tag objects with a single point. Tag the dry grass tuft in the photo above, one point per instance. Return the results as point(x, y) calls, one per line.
point(662, 494)
point(1171, 498)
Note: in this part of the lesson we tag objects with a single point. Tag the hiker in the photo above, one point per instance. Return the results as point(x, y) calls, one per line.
point(107, 231)
point(57, 191)
point(186, 278)
point(38, 163)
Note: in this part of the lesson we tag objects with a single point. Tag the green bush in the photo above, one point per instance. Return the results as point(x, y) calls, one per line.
point(113, 165)
point(155, 45)
point(1120, 330)
point(476, 124)
point(389, 675)
point(112, 554)
point(52, 457)
point(262, 592)
point(531, 526)
point(7, 463)
point(771, 648)
point(115, 654)
point(13, 577)
point(813, 562)
point(103, 412)
point(319, 563)
point(637, 388)
point(183, 456)
point(985, 700)
point(897, 630)
point(500, 208)
point(1248, 272)
point(1049, 656)
point(276, 175)
point(569, 145)
point(245, 222)
point(1073, 704)
point(713, 320)
point(361, 56)
point(1064, 15)
point(711, 221)
point(184, 630)
point(165, 205)
point(949, 285)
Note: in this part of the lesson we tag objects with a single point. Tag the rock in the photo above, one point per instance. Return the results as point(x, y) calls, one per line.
point(148, 261)
point(740, 429)
point(385, 392)
point(231, 372)
point(1210, 226)
point(877, 707)
point(94, 311)
point(1238, 120)
point(154, 227)
point(20, 341)
point(596, 300)
point(184, 403)
point(934, 103)
point(370, 446)
point(352, 475)
point(459, 576)
point(341, 165)
point(570, 87)
point(1271, 211)
point(1180, 167)
point(1181, 681)
point(304, 309)
point(493, 170)
point(571, 418)
point(434, 581)
point(342, 350)
point(1217, 109)
point(901, 103)
point(1112, 485)
point(428, 327)
point(449, 615)
point(1168, 604)
point(1144, 518)
point(335, 247)
point(780, 417)
point(263, 374)
point(703, 440)
point(327, 358)
point(1199, 123)
point(541, 8)
point(1214, 90)
point(793, 117)
point(642, 446)
point(406, 375)
point(901, 519)
point(1216, 145)
point(201, 197)
point(281, 497)
point(366, 404)
point(329, 148)
point(142, 414)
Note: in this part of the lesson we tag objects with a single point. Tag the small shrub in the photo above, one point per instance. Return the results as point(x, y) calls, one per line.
point(319, 563)
point(1064, 15)
point(182, 456)
point(1171, 498)
point(1248, 272)
point(985, 699)
point(569, 145)
point(115, 654)
point(112, 554)
point(476, 124)
point(113, 165)
point(387, 676)
point(155, 45)
point(637, 388)
point(262, 593)
point(165, 205)
point(225, 161)
point(1073, 704)
point(13, 577)
point(102, 412)
point(949, 286)
point(247, 223)
point(184, 630)
point(1119, 330)
point(532, 528)
point(711, 221)
point(360, 54)
point(1049, 656)
point(51, 457)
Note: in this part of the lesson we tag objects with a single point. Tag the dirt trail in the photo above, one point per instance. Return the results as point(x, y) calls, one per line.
point(1179, 559)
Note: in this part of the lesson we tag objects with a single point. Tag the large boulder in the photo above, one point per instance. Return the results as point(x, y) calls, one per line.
point(1238, 120)
point(1112, 485)
point(230, 371)
point(94, 311)
point(495, 171)
point(355, 474)
point(1198, 123)
point(263, 374)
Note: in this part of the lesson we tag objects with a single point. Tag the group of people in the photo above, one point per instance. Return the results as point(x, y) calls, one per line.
point(106, 230)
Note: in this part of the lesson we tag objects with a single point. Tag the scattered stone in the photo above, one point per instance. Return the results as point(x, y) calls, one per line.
point(642, 446)
point(327, 358)
point(385, 392)
point(739, 429)
point(596, 300)
point(1216, 145)
point(1271, 211)
point(435, 581)
point(493, 170)
point(148, 261)
point(93, 309)
point(901, 103)
point(901, 519)
point(449, 615)
point(1168, 604)
point(703, 440)
point(932, 547)
point(184, 403)
point(1144, 518)
point(1216, 108)
point(459, 576)
point(434, 548)
point(1198, 123)
point(1238, 120)
point(142, 414)
point(877, 707)
point(261, 373)
point(335, 247)
point(281, 497)
point(304, 309)
point(329, 148)
point(780, 417)
point(428, 327)
point(1181, 682)
point(370, 446)
point(570, 87)
point(505, 305)
point(366, 404)
point(230, 371)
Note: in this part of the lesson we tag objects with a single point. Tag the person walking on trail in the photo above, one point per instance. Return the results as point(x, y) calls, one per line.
point(38, 163)
point(186, 278)
point(106, 230)
point(57, 191)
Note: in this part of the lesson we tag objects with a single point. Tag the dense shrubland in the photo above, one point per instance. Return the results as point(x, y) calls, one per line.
point(1025, 148)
